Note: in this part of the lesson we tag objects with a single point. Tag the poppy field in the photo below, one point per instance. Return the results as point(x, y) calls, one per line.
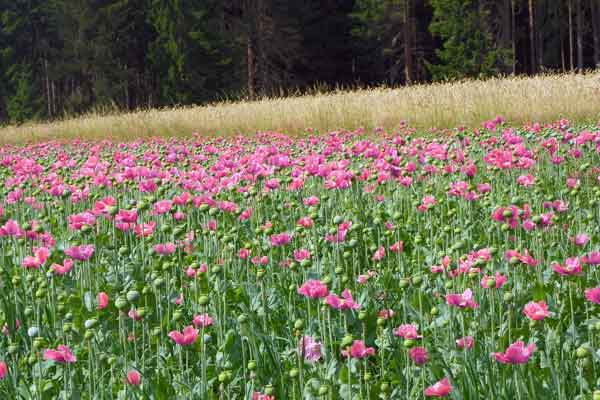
point(462, 264)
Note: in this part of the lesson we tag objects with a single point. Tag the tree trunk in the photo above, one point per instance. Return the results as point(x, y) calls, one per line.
point(513, 35)
point(579, 10)
point(47, 85)
point(532, 55)
point(595, 8)
point(251, 64)
point(561, 34)
point(540, 12)
point(570, 10)
point(408, 61)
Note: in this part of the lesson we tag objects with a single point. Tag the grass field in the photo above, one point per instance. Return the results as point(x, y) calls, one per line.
point(518, 99)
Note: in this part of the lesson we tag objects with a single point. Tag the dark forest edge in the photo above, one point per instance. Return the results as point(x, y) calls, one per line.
point(62, 58)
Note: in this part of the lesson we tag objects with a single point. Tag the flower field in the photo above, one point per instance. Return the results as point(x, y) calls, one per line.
point(337, 266)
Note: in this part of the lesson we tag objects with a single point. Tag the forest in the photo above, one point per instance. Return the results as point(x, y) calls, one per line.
point(66, 57)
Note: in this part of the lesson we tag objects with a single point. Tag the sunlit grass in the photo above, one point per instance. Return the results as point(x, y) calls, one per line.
point(518, 99)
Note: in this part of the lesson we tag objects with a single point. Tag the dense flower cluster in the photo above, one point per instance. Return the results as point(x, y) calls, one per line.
point(343, 265)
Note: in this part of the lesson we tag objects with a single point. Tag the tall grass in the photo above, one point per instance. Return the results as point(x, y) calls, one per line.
point(518, 99)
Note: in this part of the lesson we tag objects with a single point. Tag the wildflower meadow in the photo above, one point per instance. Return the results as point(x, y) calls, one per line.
point(460, 264)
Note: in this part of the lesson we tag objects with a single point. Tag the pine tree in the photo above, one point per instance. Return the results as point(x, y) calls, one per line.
point(468, 49)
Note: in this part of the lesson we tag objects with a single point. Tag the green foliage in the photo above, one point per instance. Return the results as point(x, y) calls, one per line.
point(468, 49)
point(22, 106)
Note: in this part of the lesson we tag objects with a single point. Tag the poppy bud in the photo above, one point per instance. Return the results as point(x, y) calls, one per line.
point(269, 390)
point(224, 377)
point(203, 300)
point(347, 340)
point(177, 315)
point(323, 390)
point(299, 324)
point(90, 323)
point(582, 352)
point(385, 387)
point(133, 296)
point(293, 373)
point(38, 343)
point(121, 302)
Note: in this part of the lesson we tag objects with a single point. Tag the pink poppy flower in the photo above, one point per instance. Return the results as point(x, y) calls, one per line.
point(397, 247)
point(162, 207)
point(363, 278)
point(280, 239)
point(305, 222)
point(301, 254)
point(314, 289)
point(133, 314)
point(439, 389)
point(466, 342)
point(38, 259)
point(127, 217)
point(427, 203)
point(572, 267)
point(386, 314)
point(419, 355)
point(526, 180)
point(572, 183)
point(516, 353)
point(498, 281)
point(78, 221)
point(593, 295)
point(346, 302)
point(62, 354)
point(80, 253)
point(165, 249)
point(145, 230)
point(3, 370)
point(245, 215)
point(464, 300)
point(536, 311)
point(185, 338)
point(244, 253)
point(260, 396)
point(63, 269)
point(102, 298)
point(407, 331)
point(134, 378)
point(592, 258)
point(310, 348)
point(311, 201)
point(358, 350)
point(262, 260)
point(379, 254)
point(581, 239)
point(202, 320)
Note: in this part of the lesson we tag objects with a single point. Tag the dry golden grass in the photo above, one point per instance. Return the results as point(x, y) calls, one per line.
point(518, 99)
